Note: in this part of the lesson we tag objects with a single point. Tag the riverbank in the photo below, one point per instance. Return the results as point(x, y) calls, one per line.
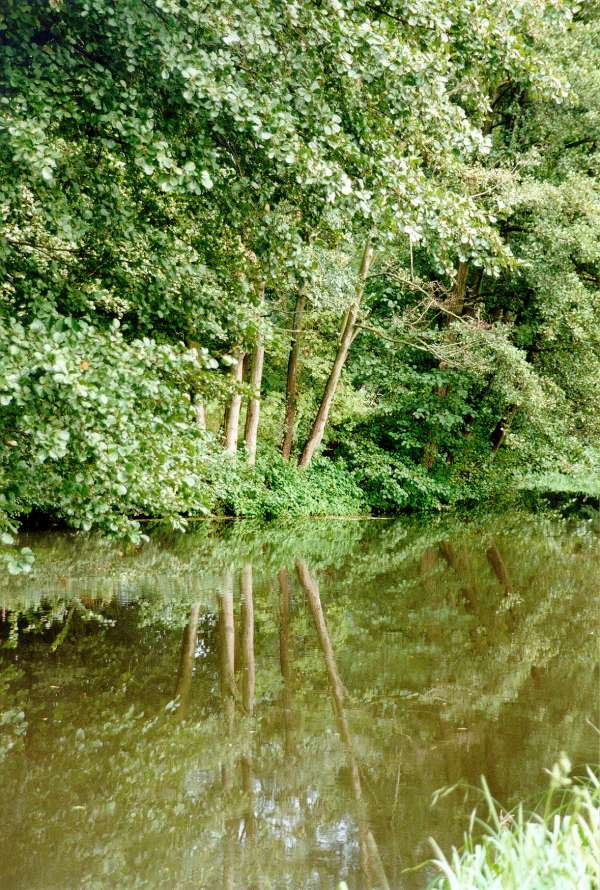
point(557, 847)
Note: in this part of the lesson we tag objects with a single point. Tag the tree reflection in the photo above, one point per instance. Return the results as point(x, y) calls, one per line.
point(228, 689)
point(248, 687)
point(459, 562)
point(370, 858)
point(460, 645)
point(186, 661)
point(241, 829)
point(284, 661)
point(499, 568)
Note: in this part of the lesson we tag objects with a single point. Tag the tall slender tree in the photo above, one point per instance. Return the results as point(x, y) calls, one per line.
point(317, 431)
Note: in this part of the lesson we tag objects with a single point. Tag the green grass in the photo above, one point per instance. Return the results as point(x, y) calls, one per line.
point(555, 849)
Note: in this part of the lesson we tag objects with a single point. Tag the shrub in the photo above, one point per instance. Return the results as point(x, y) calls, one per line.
point(95, 428)
point(277, 488)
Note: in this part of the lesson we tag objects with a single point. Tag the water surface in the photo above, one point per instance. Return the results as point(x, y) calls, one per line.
point(274, 707)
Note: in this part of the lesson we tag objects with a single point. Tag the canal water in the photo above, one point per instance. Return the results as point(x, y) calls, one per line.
point(290, 705)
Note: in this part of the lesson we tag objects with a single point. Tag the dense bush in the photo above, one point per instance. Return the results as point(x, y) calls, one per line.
point(277, 488)
point(97, 429)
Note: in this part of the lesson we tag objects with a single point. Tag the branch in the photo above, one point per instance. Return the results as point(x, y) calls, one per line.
point(587, 140)
point(413, 344)
point(51, 252)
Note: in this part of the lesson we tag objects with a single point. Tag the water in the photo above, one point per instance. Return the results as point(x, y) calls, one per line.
point(247, 707)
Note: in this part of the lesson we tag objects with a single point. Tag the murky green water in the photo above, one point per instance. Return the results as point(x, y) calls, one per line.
point(267, 708)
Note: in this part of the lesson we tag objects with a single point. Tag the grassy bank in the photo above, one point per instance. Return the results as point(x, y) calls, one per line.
point(554, 848)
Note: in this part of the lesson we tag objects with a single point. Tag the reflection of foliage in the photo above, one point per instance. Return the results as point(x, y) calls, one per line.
point(452, 670)
point(13, 724)
point(173, 564)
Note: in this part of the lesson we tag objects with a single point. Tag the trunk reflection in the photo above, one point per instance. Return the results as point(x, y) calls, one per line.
point(186, 662)
point(284, 661)
point(370, 858)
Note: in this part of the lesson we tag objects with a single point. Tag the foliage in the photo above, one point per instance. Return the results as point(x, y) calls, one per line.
point(278, 489)
point(557, 849)
point(391, 484)
point(174, 174)
point(96, 427)
point(12, 719)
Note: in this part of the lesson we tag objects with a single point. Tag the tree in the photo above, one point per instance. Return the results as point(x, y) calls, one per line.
point(347, 336)
point(187, 171)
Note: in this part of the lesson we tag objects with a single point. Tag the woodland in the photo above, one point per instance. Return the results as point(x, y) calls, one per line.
point(280, 259)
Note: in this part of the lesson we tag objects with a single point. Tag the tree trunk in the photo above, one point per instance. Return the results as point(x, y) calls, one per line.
point(455, 304)
point(318, 428)
point(232, 415)
point(200, 414)
point(256, 372)
point(459, 291)
point(196, 398)
point(472, 304)
point(501, 431)
point(291, 394)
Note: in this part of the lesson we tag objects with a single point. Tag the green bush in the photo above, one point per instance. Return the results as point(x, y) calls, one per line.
point(97, 429)
point(391, 484)
point(277, 488)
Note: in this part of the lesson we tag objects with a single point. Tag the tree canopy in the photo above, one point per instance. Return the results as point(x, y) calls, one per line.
point(378, 221)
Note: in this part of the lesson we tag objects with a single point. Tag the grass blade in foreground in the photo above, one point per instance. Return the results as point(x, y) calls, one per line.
point(559, 850)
